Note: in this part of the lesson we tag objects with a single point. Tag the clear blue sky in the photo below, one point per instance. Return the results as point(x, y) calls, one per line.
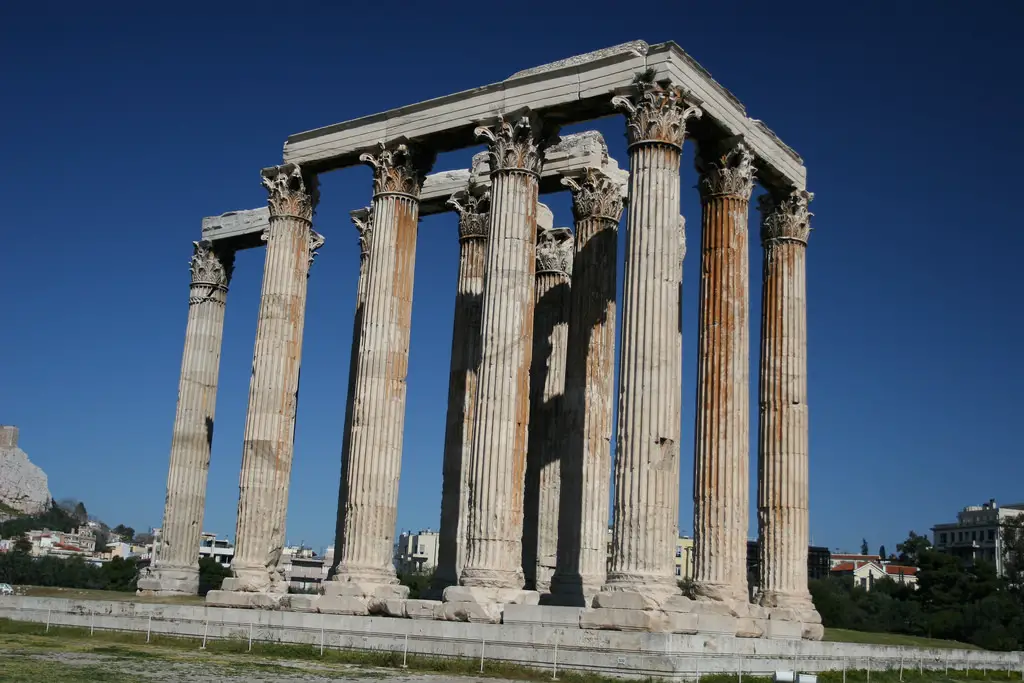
point(121, 128)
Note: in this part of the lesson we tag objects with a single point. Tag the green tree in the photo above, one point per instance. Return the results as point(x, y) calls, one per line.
point(80, 513)
point(911, 550)
point(23, 545)
point(864, 546)
point(881, 552)
point(126, 533)
point(418, 582)
point(211, 575)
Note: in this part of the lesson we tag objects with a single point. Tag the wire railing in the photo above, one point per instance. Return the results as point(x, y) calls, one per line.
point(547, 649)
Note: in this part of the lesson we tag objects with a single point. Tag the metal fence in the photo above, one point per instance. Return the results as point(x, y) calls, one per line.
point(554, 649)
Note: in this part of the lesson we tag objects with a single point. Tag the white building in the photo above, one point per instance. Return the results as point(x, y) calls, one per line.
point(303, 569)
point(220, 549)
point(976, 533)
point(416, 552)
point(867, 569)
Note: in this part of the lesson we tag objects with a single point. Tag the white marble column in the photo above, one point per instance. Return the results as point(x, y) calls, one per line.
point(722, 432)
point(273, 391)
point(646, 499)
point(462, 381)
point(378, 415)
point(581, 567)
point(498, 456)
point(783, 435)
point(546, 442)
point(175, 570)
point(363, 220)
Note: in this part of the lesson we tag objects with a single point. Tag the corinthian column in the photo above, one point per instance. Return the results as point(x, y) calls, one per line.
point(462, 382)
point(363, 220)
point(722, 432)
point(378, 414)
point(273, 391)
point(782, 437)
point(589, 382)
point(647, 467)
point(175, 570)
point(547, 384)
point(498, 458)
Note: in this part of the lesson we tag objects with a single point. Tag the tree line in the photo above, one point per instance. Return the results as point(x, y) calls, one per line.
point(954, 600)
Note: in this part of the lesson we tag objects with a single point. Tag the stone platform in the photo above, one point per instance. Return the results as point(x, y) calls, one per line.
point(613, 611)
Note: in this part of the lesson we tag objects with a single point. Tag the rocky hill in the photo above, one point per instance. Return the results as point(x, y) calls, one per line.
point(23, 487)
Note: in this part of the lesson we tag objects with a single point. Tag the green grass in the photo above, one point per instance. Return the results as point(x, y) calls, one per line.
point(120, 596)
point(20, 668)
point(842, 635)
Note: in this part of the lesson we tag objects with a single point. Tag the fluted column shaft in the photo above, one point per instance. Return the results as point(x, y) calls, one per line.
point(176, 568)
point(363, 220)
point(546, 442)
point(647, 466)
point(378, 415)
point(462, 383)
point(273, 391)
point(498, 456)
point(783, 434)
point(589, 385)
point(722, 432)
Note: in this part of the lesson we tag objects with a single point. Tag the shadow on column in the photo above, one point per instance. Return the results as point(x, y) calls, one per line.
point(543, 442)
point(599, 253)
point(468, 308)
point(346, 441)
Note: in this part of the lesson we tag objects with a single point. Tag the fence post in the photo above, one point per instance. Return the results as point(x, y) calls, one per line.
point(844, 669)
point(869, 670)
point(92, 622)
point(901, 665)
point(149, 627)
point(483, 646)
point(206, 629)
point(250, 635)
point(321, 634)
point(554, 667)
point(47, 620)
point(947, 663)
point(739, 669)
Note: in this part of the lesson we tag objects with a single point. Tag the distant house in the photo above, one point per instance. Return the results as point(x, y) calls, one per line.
point(866, 572)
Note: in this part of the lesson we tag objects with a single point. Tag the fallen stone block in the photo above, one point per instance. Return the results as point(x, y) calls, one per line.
point(341, 604)
point(777, 629)
point(475, 612)
point(247, 600)
point(679, 603)
point(625, 600)
point(716, 623)
point(748, 627)
point(625, 620)
point(542, 615)
point(813, 632)
point(422, 609)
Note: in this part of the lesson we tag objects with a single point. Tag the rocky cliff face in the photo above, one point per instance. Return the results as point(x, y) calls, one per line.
point(22, 485)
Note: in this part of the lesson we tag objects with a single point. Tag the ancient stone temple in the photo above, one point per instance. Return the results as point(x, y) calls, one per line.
point(529, 464)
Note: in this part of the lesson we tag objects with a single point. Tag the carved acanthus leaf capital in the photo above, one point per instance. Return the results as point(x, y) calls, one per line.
point(516, 144)
point(316, 240)
point(474, 214)
point(595, 195)
point(726, 169)
point(290, 193)
point(211, 267)
point(787, 217)
point(398, 168)
point(363, 220)
point(657, 113)
point(555, 251)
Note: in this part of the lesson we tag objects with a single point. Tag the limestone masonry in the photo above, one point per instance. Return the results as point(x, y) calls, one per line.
point(528, 456)
point(22, 485)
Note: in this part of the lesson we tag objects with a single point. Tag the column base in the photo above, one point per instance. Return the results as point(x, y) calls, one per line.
point(255, 580)
point(653, 586)
point(167, 580)
point(721, 592)
point(484, 605)
point(796, 608)
point(492, 578)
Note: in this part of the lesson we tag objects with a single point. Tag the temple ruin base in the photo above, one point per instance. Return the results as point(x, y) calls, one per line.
point(169, 581)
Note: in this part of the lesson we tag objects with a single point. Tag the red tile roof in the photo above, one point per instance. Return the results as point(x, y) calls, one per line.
point(900, 569)
point(844, 567)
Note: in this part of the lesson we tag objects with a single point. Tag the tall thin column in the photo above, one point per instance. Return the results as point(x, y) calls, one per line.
point(498, 457)
point(273, 391)
point(465, 364)
point(546, 442)
point(783, 434)
point(363, 220)
point(647, 465)
point(378, 415)
point(722, 433)
point(176, 568)
point(589, 385)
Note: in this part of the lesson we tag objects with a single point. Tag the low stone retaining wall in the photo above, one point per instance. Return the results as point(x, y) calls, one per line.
point(622, 653)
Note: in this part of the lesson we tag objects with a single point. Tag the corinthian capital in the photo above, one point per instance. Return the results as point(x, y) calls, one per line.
point(398, 168)
point(517, 143)
point(595, 195)
point(209, 267)
point(726, 168)
point(657, 113)
point(363, 220)
point(785, 218)
point(554, 251)
point(474, 214)
point(290, 192)
point(316, 240)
